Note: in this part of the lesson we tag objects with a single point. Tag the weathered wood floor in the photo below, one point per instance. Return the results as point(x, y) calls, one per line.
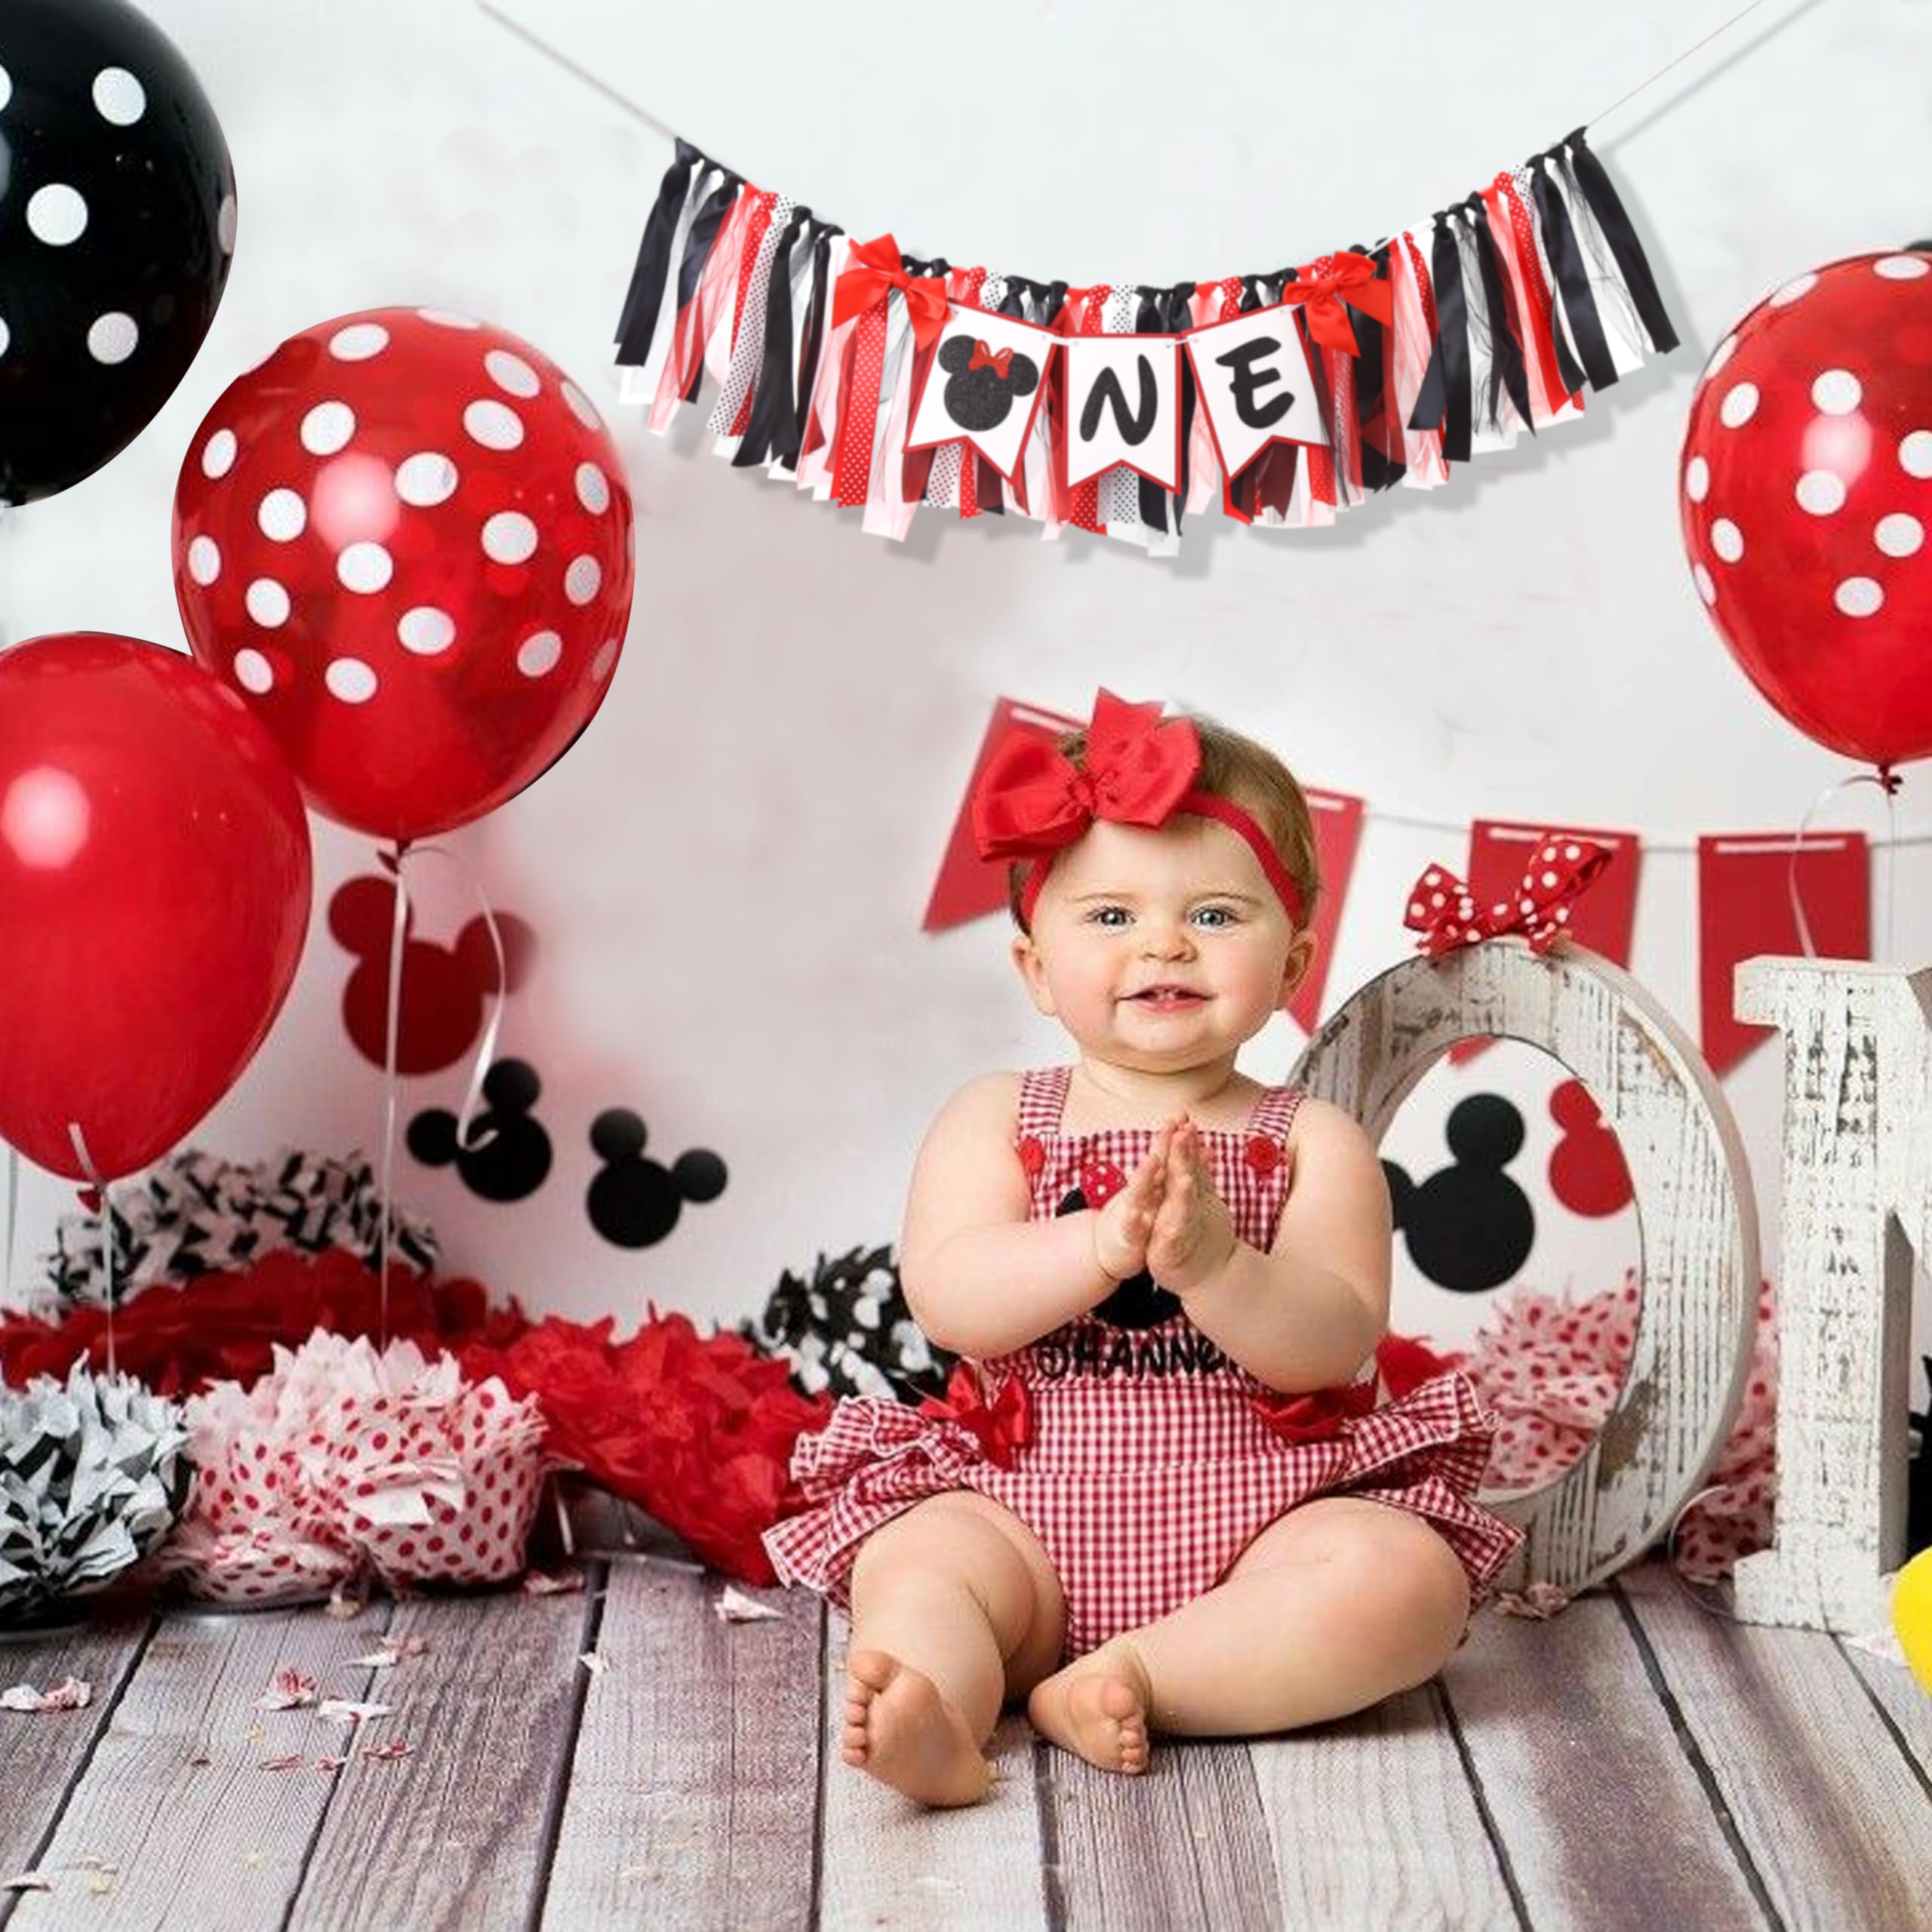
point(1636, 1762)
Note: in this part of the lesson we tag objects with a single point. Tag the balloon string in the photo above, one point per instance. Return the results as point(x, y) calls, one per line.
point(1709, 1600)
point(79, 1141)
point(391, 1032)
point(1887, 783)
point(13, 1222)
point(486, 1051)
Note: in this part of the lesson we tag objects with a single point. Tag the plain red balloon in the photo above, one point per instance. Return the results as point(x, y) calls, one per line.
point(405, 539)
point(1805, 488)
point(154, 878)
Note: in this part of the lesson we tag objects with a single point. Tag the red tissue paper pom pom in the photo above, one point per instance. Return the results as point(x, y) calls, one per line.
point(698, 1430)
point(224, 1327)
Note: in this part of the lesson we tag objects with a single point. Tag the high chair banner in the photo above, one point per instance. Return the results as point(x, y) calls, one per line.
point(887, 382)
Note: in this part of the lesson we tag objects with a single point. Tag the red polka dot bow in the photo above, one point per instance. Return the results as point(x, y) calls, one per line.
point(1031, 801)
point(1442, 911)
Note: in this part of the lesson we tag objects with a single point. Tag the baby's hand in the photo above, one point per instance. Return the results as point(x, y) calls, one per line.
point(1193, 1233)
point(1121, 1228)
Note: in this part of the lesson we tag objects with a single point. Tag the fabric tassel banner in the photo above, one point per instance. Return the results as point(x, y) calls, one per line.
point(888, 384)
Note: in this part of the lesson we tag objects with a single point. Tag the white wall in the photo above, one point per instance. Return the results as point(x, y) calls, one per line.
point(729, 868)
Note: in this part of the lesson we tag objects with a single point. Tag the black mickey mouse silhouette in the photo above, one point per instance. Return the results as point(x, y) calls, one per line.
point(1469, 1227)
point(635, 1202)
point(507, 1155)
point(982, 385)
point(1138, 1302)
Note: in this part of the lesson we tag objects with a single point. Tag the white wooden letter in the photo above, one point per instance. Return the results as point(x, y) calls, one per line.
point(1699, 1267)
point(1857, 1203)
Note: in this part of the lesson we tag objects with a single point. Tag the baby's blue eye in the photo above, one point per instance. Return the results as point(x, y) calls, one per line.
point(1215, 915)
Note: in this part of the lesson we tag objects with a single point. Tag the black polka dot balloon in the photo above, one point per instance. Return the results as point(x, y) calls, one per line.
point(117, 221)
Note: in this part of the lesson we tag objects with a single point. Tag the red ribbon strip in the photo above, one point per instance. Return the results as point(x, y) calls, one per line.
point(984, 358)
point(877, 268)
point(1352, 280)
point(1441, 910)
point(1002, 1427)
point(1031, 801)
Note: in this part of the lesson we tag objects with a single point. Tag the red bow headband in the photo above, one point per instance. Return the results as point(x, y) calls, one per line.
point(1033, 801)
point(1441, 910)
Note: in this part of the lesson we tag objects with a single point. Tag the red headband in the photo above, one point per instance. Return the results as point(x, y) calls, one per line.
point(1031, 801)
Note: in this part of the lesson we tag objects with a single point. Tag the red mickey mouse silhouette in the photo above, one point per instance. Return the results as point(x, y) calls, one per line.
point(1587, 1172)
point(445, 989)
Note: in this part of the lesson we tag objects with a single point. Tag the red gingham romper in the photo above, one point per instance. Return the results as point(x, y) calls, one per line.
point(1143, 1459)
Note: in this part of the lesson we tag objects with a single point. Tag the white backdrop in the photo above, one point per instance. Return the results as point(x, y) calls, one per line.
point(728, 871)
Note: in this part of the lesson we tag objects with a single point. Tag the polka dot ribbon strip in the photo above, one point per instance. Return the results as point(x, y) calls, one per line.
point(1442, 910)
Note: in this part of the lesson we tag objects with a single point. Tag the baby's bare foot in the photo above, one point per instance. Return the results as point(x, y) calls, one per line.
point(1097, 1706)
point(899, 1728)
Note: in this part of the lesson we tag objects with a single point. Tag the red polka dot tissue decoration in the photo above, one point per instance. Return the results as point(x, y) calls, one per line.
point(1806, 493)
point(406, 538)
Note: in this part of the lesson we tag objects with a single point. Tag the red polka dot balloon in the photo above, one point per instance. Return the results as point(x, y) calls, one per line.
point(1806, 491)
point(406, 538)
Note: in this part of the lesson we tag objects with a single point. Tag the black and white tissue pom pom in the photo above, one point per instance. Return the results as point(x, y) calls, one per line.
point(93, 1475)
point(196, 1213)
point(847, 1331)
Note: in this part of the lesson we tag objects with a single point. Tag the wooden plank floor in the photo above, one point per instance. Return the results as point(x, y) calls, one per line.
point(1636, 1762)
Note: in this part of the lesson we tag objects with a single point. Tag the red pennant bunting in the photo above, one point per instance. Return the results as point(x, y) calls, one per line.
point(969, 886)
point(1337, 819)
point(1601, 919)
point(1744, 908)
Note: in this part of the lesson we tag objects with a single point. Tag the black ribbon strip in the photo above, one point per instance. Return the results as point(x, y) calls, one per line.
point(1450, 363)
point(1607, 206)
point(772, 403)
point(1379, 469)
point(697, 250)
point(639, 321)
point(1150, 318)
point(1582, 322)
point(1508, 335)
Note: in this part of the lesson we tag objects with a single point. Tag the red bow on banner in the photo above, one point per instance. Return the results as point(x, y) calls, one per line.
point(984, 358)
point(1352, 280)
point(1031, 801)
point(1441, 910)
point(876, 269)
point(1002, 1426)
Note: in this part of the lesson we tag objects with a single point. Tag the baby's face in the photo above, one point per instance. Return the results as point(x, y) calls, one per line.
point(1160, 949)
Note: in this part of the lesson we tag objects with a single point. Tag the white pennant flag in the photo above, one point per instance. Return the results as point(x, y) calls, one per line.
point(986, 384)
point(1123, 406)
point(1255, 385)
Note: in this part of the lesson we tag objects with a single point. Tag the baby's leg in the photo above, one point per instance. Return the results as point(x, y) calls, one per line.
point(955, 1607)
point(1331, 1608)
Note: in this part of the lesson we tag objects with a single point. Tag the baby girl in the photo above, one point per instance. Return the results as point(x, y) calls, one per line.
point(1162, 1494)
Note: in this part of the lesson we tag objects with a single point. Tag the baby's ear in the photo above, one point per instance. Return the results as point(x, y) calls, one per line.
point(954, 352)
point(1032, 972)
point(1023, 376)
point(1302, 950)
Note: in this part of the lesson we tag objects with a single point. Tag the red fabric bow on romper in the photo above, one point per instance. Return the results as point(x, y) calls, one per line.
point(1031, 801)
point(876, 269)
point(1441, 910)
point(1002, 1426)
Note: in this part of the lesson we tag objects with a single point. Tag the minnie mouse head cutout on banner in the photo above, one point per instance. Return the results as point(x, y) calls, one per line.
point(117, 222)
